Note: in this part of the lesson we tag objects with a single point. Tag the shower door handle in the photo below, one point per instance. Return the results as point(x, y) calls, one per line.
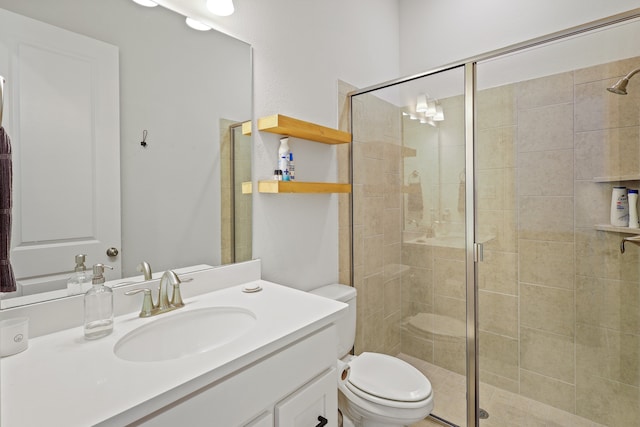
point(478, 252)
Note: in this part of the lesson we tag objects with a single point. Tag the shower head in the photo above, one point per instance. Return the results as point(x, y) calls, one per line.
point(620, 88)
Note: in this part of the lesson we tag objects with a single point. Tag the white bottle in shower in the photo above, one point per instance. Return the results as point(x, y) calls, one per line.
point(633, 208)
point(619, 207)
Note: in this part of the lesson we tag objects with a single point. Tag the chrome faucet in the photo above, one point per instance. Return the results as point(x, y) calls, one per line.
point(163, 304)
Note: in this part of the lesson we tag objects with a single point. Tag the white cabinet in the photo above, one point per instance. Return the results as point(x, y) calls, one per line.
point(289, 387)
point(315, 404)
point(264, 420)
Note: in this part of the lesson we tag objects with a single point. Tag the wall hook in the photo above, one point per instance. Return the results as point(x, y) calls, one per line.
point(144, 138)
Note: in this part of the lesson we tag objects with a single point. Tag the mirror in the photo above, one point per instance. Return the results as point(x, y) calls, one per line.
point(175, 88)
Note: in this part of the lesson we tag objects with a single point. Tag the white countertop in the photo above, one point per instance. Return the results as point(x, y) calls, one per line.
point(63, 379)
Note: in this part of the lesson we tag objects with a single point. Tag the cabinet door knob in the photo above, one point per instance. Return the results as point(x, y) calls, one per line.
point(323, 421)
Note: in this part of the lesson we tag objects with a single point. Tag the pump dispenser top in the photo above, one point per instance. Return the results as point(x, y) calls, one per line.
point(80, 280)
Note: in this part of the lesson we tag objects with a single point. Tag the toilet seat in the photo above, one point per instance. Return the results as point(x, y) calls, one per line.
point(387, 381)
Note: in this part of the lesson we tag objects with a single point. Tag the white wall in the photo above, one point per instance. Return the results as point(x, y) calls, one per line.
point(437, 32)
point(301, 49)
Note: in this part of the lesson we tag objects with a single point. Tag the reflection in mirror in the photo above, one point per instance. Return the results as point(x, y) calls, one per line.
point(114, 112)
point(235, 178)
point(432, 158)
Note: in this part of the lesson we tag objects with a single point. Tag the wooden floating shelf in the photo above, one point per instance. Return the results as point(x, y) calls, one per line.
point(273, 187)
point(247, 187)
point(611, 228)
point(246, 128)
point(284, 125)
point(616, 178)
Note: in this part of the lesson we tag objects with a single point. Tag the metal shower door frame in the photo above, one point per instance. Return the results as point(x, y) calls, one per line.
point(473, 250)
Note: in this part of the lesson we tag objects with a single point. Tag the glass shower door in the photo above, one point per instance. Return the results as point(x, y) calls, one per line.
point(409, 252)
point(558, 303)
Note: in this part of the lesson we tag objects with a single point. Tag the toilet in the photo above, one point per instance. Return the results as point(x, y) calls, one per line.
point(379, 390)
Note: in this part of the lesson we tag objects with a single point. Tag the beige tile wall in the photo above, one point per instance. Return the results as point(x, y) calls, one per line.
point(607, 284)
point(559, 305)
point(236, 210)
point(574, 295)
point(377, 221)
point(226, 187)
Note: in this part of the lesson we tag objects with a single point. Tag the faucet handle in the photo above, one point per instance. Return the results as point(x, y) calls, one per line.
point(176, 298)
point(147, 301)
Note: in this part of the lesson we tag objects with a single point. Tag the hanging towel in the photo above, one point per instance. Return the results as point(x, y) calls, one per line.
point(7, 279)
point(415, 197)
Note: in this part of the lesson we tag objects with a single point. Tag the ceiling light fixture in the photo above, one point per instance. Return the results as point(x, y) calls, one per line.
point(220, 7)
point(431, 108)
point(146, 3)
point(439, 114)
point(421, 104)
point(197, 25)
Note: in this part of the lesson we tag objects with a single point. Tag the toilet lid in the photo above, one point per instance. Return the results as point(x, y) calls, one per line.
point(388, 377)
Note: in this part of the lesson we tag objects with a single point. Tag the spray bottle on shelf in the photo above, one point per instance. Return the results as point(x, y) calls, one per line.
point(283, 158)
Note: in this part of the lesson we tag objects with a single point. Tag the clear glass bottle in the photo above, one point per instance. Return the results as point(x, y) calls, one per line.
point(80, 280)
point(98, 306)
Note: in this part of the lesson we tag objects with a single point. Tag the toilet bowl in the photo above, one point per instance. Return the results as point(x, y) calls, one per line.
point(380, 390)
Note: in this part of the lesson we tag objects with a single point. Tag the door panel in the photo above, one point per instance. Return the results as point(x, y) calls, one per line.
point(62, 113)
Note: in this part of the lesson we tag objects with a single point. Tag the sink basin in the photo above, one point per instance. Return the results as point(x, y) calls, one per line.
point(184, 334)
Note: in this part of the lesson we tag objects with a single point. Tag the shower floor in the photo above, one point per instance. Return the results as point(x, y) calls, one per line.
point(505, 409)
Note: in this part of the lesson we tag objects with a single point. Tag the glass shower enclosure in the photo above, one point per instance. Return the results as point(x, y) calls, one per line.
point(482, 247)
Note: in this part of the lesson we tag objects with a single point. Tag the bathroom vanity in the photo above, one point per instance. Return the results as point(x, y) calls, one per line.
point(271, 365)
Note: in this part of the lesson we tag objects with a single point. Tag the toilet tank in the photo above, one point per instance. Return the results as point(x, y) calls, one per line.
point(346, 325)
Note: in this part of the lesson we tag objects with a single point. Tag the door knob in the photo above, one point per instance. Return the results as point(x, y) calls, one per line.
point(112, 252)
point(323, 421)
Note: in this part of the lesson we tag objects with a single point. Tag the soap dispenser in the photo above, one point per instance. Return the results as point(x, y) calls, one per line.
point(80, 280)
point(98, 306)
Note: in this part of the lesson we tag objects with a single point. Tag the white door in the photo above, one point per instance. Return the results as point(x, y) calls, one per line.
point(62, 114)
